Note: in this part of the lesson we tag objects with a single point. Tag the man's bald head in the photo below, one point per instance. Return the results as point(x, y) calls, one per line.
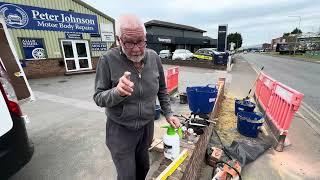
point(129, 23)
point(131, 35)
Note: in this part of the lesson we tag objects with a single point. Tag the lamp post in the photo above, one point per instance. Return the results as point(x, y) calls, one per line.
point(295, 44)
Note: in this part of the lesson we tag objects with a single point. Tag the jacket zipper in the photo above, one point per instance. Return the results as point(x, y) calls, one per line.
point(140, 82)
point(140, 94)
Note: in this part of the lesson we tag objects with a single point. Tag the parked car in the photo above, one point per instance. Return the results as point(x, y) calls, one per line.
point(204, 53)
point(165, 54)
point(182, 54)
point(15, 148)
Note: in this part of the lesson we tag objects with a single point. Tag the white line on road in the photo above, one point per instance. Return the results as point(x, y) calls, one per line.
point(314, 127)
point(311, 109)
point(308, 112)
point(307, 109)
point(90, 106)
point(254, 68)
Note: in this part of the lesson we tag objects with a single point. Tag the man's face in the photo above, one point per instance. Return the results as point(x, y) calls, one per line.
point(133, 43)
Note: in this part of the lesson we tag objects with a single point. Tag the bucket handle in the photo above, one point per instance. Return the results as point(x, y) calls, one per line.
point(209, 85)
point(262, 120)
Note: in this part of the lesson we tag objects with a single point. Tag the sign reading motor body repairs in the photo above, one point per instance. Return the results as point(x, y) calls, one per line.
point(28, 17)
point(98, 46)
point(33, 48)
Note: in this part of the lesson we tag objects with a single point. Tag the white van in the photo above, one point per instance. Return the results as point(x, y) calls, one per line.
point(15, 147)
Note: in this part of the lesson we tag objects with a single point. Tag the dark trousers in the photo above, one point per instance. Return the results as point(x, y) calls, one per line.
point(129, 149)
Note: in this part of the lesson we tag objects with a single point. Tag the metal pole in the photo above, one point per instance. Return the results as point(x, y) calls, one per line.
point(295, 44)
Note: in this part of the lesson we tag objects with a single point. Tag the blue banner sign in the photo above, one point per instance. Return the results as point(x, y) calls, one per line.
point(73, 36)
point(29, 17)
point(98, 46)
point(33, 48)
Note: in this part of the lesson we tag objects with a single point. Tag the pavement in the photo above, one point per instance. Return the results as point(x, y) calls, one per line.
point(68, 129)
point(300, 160)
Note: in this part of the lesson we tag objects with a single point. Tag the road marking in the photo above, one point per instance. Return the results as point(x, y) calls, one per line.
point(313, 116)
point(311, 109)
point(254, 68)
point(91, 106)
point(314, 127)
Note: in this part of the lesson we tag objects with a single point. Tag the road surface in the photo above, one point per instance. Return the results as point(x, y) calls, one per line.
point(300, 75)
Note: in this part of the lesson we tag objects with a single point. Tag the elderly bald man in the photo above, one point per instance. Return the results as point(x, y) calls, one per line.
point(129, 78)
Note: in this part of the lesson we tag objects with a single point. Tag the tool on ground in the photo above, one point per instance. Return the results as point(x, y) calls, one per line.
point(215, 156)
point(174, 165)
point(254, 82)
point(216, 160)
point(197, 124)
point(230, 171)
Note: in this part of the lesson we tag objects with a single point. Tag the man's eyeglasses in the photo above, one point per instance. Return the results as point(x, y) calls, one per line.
point(130, 45)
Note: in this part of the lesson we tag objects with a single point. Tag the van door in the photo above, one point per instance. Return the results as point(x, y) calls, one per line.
point(10, 61)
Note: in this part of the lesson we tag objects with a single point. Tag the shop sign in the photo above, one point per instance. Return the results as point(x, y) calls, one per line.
point(33, 48)
point(164, 40)
point(98, 46)
point(73, 36)
point(107, 32)
point(29, 17)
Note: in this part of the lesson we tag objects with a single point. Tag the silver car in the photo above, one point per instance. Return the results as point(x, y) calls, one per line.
point(165, 54)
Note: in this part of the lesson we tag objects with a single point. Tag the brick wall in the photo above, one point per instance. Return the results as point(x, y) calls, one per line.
point(198, 156)
point(194, 63)
point(190, 168)
point(49, 67)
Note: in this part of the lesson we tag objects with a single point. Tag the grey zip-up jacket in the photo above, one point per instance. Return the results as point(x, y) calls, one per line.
point(138, 109)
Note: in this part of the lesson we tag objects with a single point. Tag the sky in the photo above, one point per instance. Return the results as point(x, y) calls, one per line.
point(258, 21)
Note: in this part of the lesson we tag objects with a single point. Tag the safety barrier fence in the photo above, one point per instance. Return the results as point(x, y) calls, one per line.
point(279, 102)
point(172, 79)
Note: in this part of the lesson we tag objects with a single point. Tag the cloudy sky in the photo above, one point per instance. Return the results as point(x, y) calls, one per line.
point(257, 20)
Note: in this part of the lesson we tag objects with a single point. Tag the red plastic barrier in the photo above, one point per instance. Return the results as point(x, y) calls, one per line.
point(264, 87)
point(283, 103)
point(279, 101)
point(172, 79)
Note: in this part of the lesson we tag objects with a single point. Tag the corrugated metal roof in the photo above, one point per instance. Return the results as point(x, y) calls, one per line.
point(172, 25)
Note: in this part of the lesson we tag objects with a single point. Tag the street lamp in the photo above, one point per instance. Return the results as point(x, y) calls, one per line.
point(295, 44)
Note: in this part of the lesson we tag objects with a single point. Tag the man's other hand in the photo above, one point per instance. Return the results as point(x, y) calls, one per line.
point(173, 121)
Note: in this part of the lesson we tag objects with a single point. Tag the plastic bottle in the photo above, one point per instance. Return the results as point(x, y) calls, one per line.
point(171, 142)
point(191, 135)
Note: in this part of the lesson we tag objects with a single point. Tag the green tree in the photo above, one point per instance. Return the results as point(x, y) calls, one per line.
point(285, 35)
point(235, 38)
point(296, 31)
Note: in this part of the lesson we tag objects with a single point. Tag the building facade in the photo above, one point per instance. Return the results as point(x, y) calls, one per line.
point(170, 36)
point(57, 37)
point(275, 41)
